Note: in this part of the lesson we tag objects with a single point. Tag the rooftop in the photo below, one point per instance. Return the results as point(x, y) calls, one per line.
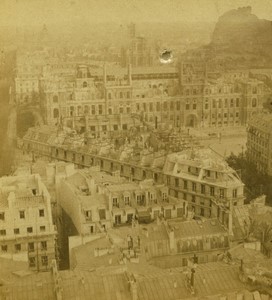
point(194, 228)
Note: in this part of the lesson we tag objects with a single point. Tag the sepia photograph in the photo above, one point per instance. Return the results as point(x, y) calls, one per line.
point(135, 150)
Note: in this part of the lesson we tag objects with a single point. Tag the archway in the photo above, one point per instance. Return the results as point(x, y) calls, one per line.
point(191, 120)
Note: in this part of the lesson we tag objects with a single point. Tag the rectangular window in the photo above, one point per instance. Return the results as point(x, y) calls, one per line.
point(164, 196)
point(93, 109)
point(44, 261)
point(176, 182)
point(4, 248)
point(115, 202)
point(139, 199)
point(234, 193)
point(212, 191)
point(29, 229)
point(202, 189)
point(100, 110)
point(185, 184)
point(194, 105)
point(31, 247)
point(88, 215)
point(17, 247)
point(16, 231)
point(42, 228)
point(41, 212)
point(127, 202)
point(3, 232)
point(194, 186)
point(221, 193)
point(22, 214)
point(187, 107)
point(2, 216)
point(44, 245)
point(193, 198)
point(32, 262)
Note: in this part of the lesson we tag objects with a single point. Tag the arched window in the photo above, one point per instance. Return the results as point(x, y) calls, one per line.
point(85, 84)
point(55, 99)
point(55, 113)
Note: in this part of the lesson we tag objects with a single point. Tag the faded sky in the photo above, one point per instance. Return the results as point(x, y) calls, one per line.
point(23, 12)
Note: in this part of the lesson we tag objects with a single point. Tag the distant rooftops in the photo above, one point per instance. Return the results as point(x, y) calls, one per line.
point(262, 121)
point(201, 158)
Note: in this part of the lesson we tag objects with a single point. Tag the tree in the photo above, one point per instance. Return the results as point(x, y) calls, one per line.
point(255, 182)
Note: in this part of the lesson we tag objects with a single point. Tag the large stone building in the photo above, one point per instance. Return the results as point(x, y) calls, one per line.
point(99, 99)
point(27, 231)
point(259, 142)
point(162, 96)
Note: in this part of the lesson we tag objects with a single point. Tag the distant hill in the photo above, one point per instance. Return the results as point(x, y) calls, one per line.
point(241, 36)
point(239, 40)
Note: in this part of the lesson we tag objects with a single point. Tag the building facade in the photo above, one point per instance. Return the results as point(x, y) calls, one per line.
point(27, 231)
point(96, 201)
point(259, 142)
point(98, 99)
